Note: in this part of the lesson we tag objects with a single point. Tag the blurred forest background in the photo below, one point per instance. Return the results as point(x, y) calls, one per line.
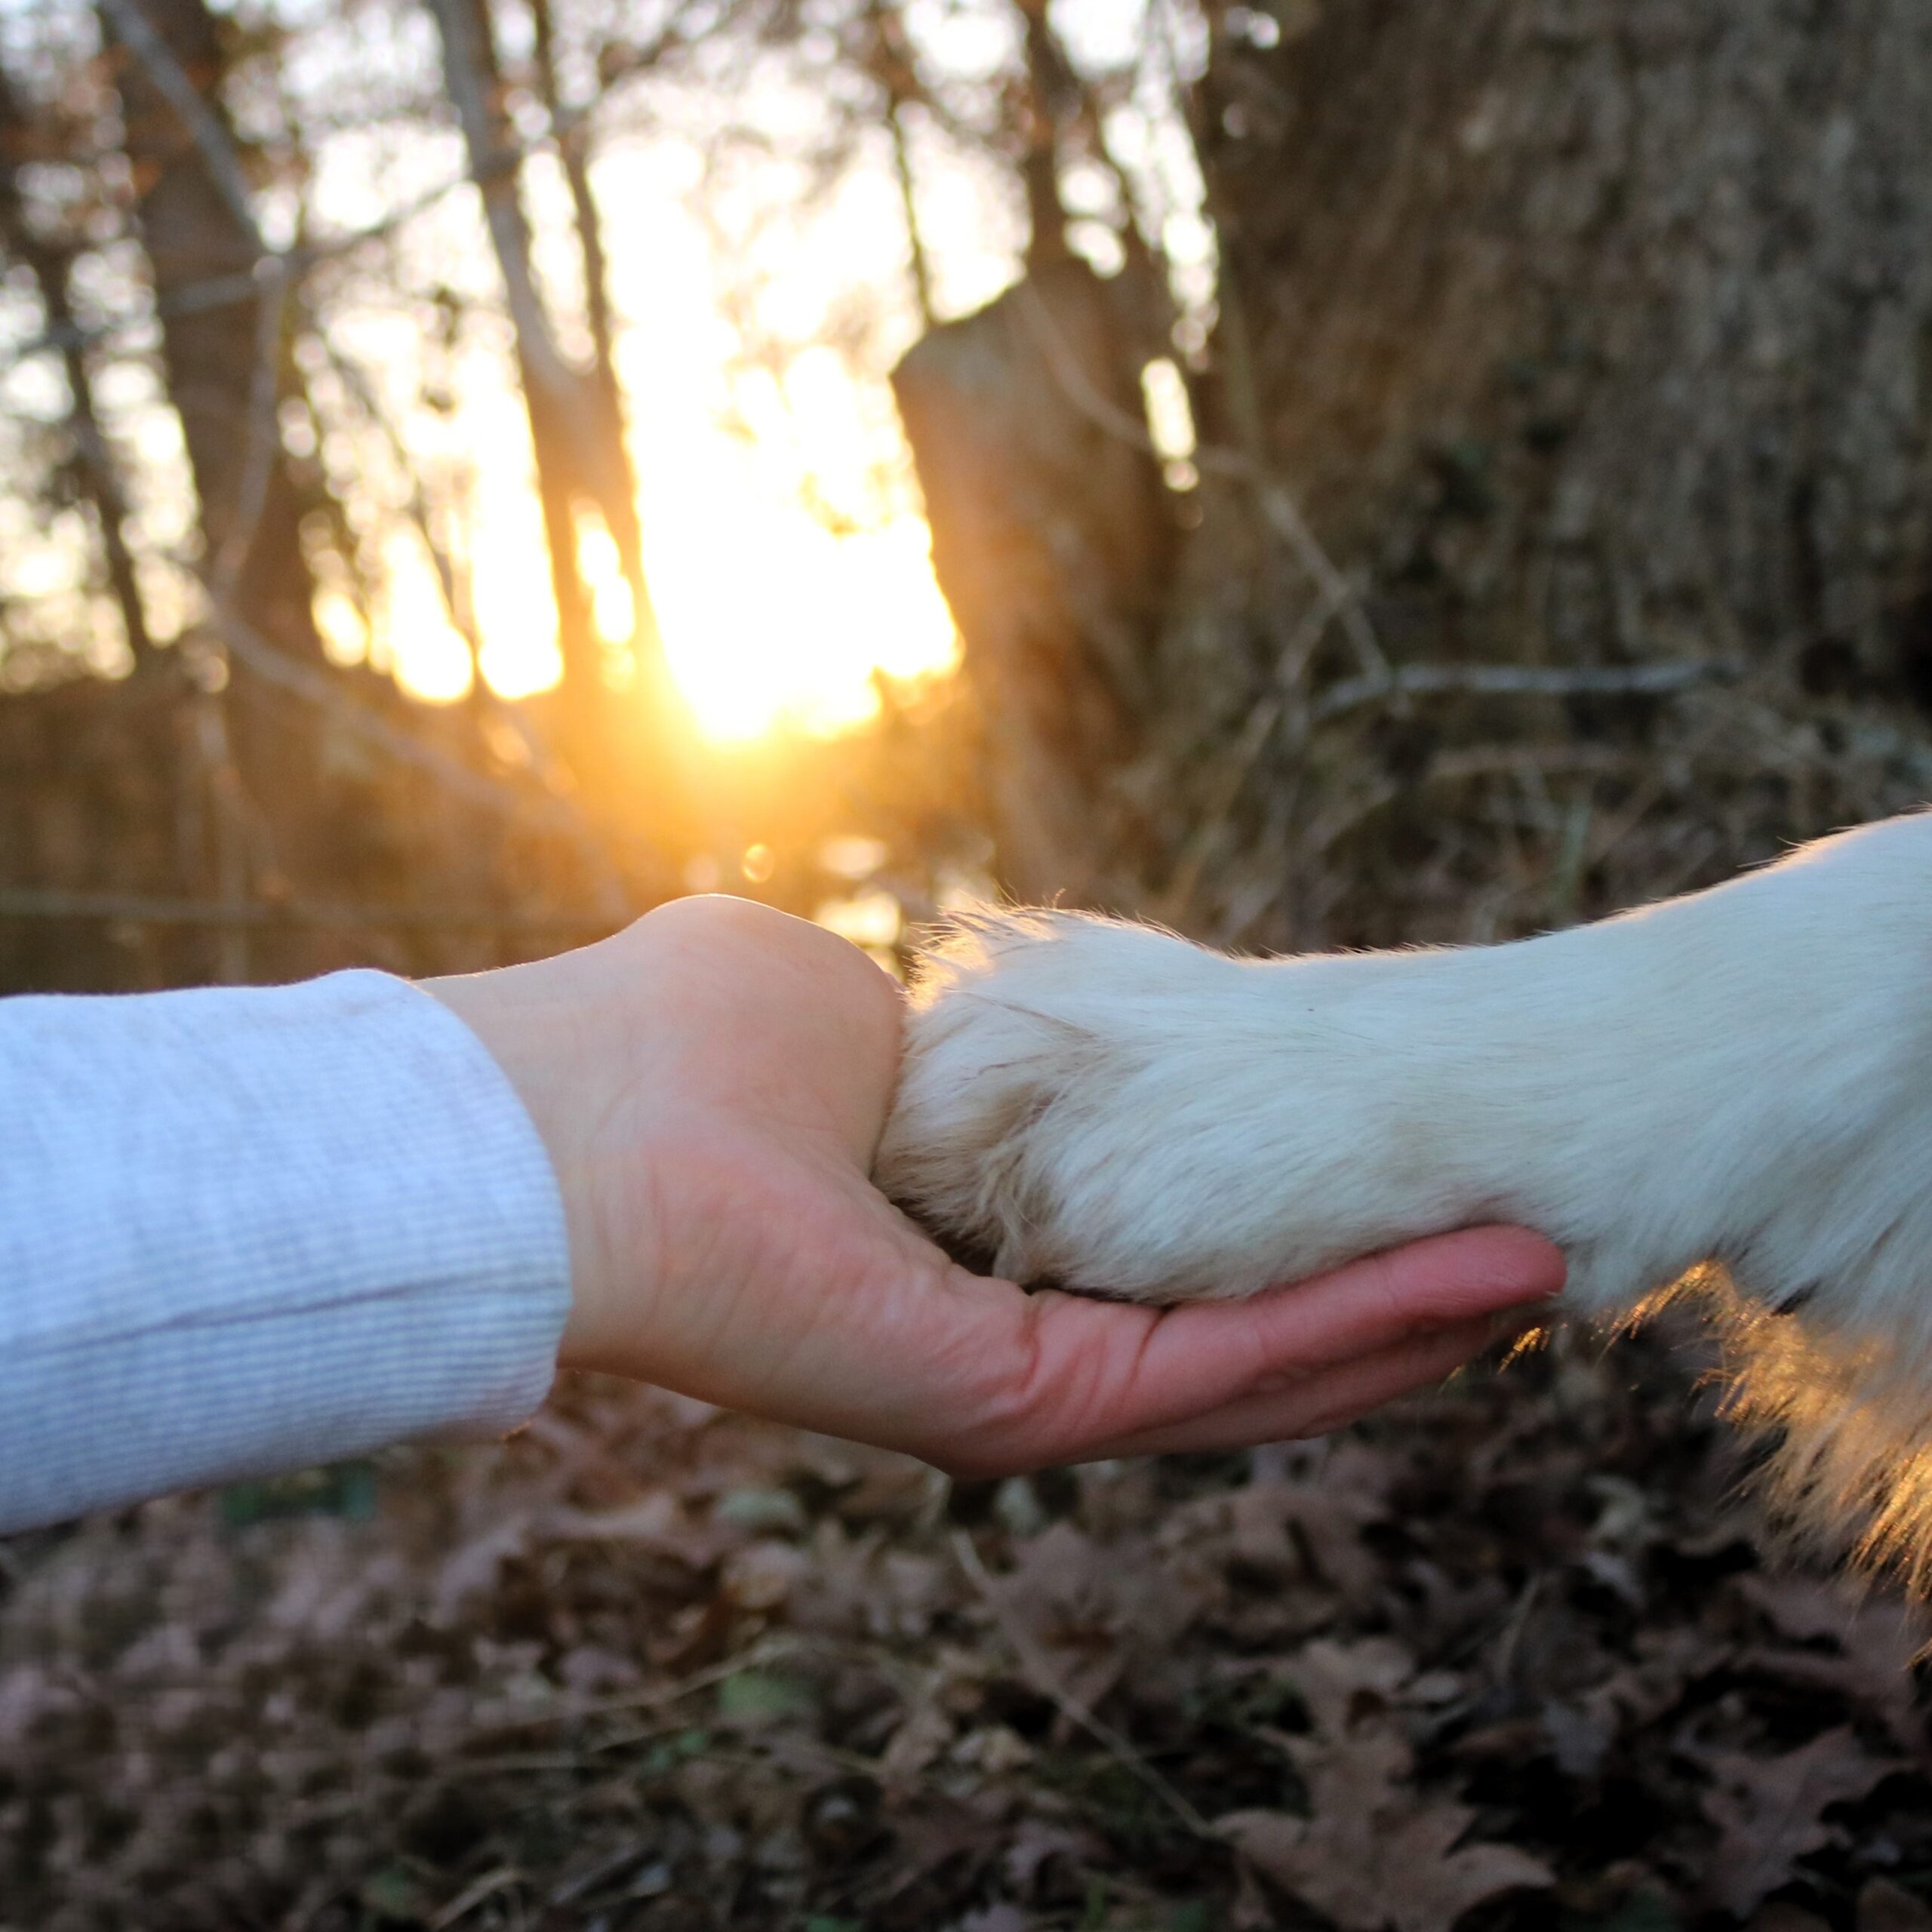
point(473, 469)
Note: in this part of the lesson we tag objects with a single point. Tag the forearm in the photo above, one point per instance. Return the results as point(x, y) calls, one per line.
point(251, 1229)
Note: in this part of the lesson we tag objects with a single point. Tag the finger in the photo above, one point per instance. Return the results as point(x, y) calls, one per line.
point(1365, 1306)
point(1329, 1399)
point(1057, 1376)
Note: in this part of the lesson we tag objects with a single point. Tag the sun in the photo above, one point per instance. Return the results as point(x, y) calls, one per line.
point(771, 621)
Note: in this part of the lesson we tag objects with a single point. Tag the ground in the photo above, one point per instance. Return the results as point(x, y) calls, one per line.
point(1514, 1655)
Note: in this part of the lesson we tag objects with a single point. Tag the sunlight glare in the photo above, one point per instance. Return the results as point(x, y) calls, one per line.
point(872, 919)
point(516, 614)
point(769, 620)
point(339, 624)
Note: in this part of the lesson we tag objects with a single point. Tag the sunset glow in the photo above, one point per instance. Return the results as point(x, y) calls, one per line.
point(769, 619)
point(787, 563)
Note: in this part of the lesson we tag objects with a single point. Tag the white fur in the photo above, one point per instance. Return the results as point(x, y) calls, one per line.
point(1742, 1078)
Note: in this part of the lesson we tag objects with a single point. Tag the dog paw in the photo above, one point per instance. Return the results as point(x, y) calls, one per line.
point(1107, 1107)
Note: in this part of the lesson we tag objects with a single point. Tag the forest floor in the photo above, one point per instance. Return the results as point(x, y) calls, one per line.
point(1511, 1655)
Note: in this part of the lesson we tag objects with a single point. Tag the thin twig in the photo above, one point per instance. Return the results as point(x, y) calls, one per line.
point(1453, 768)
point(1339, 597)
point(1046, 1681)
point(1616, 680)
point(264, 436)
point(1379, 680)
point(767, 1650)
point(500, 1879)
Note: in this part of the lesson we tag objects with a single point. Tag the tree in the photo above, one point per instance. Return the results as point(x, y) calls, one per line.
point(50, 262)
point(223, 358)
point(577, 417)
point(1592, 340)
point(244, 796)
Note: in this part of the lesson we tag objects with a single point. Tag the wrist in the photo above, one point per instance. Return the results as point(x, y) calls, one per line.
point(550, 1028)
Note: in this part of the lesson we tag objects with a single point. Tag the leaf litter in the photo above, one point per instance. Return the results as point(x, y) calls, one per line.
point(1515, 1657)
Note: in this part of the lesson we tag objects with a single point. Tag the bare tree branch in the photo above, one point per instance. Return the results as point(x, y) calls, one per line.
point(1380, 681)
point(470, 74)
point(264, 434)
point(50, 266)
point(888, 58)
point(222, 291)
point(1278, 507)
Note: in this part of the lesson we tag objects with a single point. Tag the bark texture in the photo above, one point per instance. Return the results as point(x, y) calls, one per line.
point(92, 463)
point(575, 414)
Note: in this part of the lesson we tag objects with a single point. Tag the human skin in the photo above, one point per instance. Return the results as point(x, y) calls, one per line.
point(711, 1085)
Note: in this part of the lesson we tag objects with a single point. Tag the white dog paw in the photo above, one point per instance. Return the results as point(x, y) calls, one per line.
point(1107, 1107)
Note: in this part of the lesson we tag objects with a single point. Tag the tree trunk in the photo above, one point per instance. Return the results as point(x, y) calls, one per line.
point(576, 418)
point(614, 481)
point(1596, 341)
point(552, 388)
point(1052, 539)
point(269, 809)
point(192, 236)
point(49, 263)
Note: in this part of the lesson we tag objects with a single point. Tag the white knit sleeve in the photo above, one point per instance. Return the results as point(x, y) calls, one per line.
point(244, 1230)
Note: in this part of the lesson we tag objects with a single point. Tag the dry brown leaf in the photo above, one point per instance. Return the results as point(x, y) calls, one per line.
point(1035, 1840)
point(1876, 1641)
point(1346, 1685)
point(1089, 1606)
point(1769, 1811)
point(926, 1732)
point(1376, 1854)
point(995, 1919)
point(1780, 1916)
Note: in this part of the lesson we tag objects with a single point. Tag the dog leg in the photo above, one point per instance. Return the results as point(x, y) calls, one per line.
point(1741, 1077)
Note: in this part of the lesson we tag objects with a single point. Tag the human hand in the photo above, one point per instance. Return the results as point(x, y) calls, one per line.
point(711, 1085)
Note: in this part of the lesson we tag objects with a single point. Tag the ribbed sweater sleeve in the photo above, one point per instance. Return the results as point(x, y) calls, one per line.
point(244, 1230)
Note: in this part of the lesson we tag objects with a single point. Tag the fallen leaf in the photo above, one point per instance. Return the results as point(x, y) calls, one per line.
point(1343, 1684)
point(1375, 1853)
point(1781, 1916)
point(1875, 1642)
point(1769, 1811)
